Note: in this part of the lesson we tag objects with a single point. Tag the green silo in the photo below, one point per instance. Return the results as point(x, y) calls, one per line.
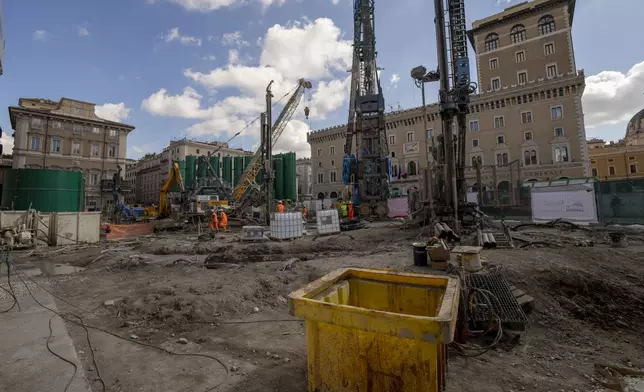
point(189, 180)
point(238, 169)
point(44, 190)
point(278, 185)
point(214, 162)
point(290, 186)
point(247, 160)
point(202, 169)
point(182, 170)
point(228, 170)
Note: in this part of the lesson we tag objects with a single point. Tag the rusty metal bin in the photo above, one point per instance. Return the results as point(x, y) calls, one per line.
point(370, 330)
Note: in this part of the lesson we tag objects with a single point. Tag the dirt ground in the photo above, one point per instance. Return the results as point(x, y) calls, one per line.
point(589, 308)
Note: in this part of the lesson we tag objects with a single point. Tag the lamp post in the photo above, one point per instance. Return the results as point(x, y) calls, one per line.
point(421, 76)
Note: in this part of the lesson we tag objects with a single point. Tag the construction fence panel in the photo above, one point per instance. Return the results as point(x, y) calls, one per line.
point(573, 203)
point(621, 201)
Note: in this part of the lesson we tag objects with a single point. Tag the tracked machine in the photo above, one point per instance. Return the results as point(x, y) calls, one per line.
point(366, 167)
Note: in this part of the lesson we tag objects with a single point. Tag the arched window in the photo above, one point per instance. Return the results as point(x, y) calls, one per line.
point(320, 196)
point(518, 34)
point(526, 157)
point(546, 25)
point(499, 159)
point(411, 168)
point(564, 154)
point(557, 155)
point(474, 161)
point(333, 195)
point(491, 42)
point(533, 157)
point(394, 171)
point(505, 158)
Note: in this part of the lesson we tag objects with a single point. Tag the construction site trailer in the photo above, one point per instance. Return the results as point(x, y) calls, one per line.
point(44, 190)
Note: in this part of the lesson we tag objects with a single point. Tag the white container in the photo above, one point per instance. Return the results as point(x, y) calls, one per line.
point(285, 225)
point(253, 233)
point(328, 222)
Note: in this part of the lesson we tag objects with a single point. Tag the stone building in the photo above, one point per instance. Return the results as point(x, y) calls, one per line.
point(525, 123)
point(68, 135)
point(304, 173)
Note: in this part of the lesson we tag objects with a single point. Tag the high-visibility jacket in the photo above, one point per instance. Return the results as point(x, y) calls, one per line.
point(224, 220)
point(214, 222)
point(280, 208)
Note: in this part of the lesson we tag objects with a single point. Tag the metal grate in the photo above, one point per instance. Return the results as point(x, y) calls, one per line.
point(512, 316)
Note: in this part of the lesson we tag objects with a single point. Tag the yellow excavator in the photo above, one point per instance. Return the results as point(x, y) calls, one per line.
point(173, 177)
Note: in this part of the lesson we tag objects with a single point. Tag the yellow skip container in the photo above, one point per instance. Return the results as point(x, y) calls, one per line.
point(371, 330)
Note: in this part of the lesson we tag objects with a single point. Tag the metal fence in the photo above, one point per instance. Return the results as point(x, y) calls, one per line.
point(620, 201)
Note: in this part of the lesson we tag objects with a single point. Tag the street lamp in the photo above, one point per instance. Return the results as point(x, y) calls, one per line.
point(422, 76)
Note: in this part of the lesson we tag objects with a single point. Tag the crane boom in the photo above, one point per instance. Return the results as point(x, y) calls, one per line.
point(368, 169)
point(254, 167)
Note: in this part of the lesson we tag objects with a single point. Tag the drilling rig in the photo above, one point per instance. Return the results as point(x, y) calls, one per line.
point(366, 169)
point(454, 98)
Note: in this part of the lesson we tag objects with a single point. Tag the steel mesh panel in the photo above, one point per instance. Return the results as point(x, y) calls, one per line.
point(512, 316)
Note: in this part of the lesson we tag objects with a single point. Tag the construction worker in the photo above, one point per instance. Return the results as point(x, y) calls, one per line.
point(350, 211)
point(304, 212)
point(214, 222)
point(223, 221)
point(280, 206)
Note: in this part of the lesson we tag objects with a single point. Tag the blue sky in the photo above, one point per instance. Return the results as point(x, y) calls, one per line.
point(198, 68)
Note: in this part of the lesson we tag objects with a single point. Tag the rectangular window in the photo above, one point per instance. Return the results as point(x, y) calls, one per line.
point(595, 174)
point(494, 63)
point(55, 145)
point(475, 142)
point(78, 129)
point(556, 112)
point(332, 150)
point(392, 139)
point(474, 125)
point(631, 158)
point(527, 136)
point(611, 170)
point(633, 169)
point(76, 148)
point(496, 84)
point(522, 77)
point(549, 48)
point(332, 177)
point(93, 179)
point(520, 56)
point(113, 133)
point(500, 139)
point(95, 150)
point(78, 111)
point(96, 130)
point(410, 136)
point(499, 122)
point(551, 71)
point(36, 123)
point(526, 117)
point(430, 133)
point(35, 143)
point(559, 132)
point(57, 124)
point(320, 178)
point(319, 152)
point(111, 151)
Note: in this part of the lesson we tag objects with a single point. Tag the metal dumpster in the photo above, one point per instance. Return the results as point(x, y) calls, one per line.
point(370, 330)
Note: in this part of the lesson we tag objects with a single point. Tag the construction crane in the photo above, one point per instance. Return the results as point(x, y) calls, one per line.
point(242, 196)
point(173, 177)
point(366, 170)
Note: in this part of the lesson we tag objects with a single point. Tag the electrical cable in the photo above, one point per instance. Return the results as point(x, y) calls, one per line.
point(81, 322)
point(11, 290)
point(51, 333)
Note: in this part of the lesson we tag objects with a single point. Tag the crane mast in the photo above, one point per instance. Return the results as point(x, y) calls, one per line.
point(366, 169)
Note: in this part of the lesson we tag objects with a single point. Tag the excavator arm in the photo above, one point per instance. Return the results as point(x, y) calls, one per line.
point(254, 167)
point(173, 177)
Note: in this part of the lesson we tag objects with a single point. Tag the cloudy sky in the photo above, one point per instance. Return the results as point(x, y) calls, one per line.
point(199, 68)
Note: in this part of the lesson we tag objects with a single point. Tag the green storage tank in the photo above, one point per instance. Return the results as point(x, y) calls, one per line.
point(43, 190)
point(202, 169)
point(191, 165)
point(238, 168)
point(214, 162)
point(182, 170)
point(290, 186)
point(278, 185)
point(228, 170)
point(247, 160)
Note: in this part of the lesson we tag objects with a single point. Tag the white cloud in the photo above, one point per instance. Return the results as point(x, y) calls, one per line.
point(210, 57)
point(613, 97)
point(312, 50)
point(137, 152)
point(205, 5)
point(113, 112)
point(42, 35)
point(174, 35)
point(234, 39)
point(82, 31)
point(394, 80)
point(7, 143)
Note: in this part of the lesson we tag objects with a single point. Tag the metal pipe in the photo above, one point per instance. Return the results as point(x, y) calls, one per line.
point(269, 152)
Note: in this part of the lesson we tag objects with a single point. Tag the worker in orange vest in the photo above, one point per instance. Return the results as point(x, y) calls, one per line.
point(350, 212)
point(214, 223)
point(280, 206)
point(223, 219)
point(304, 212)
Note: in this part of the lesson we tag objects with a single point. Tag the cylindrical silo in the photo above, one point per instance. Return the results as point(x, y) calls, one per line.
point(44, 190)
point(238, 169)
point(189, 180)
point(290, 187)
point(202, 168)
point(278, 185)
point(227, 170)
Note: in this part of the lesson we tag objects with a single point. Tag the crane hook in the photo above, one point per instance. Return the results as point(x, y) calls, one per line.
point(306, 112)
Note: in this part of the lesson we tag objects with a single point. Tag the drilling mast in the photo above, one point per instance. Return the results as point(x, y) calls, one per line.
point(366, 169)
